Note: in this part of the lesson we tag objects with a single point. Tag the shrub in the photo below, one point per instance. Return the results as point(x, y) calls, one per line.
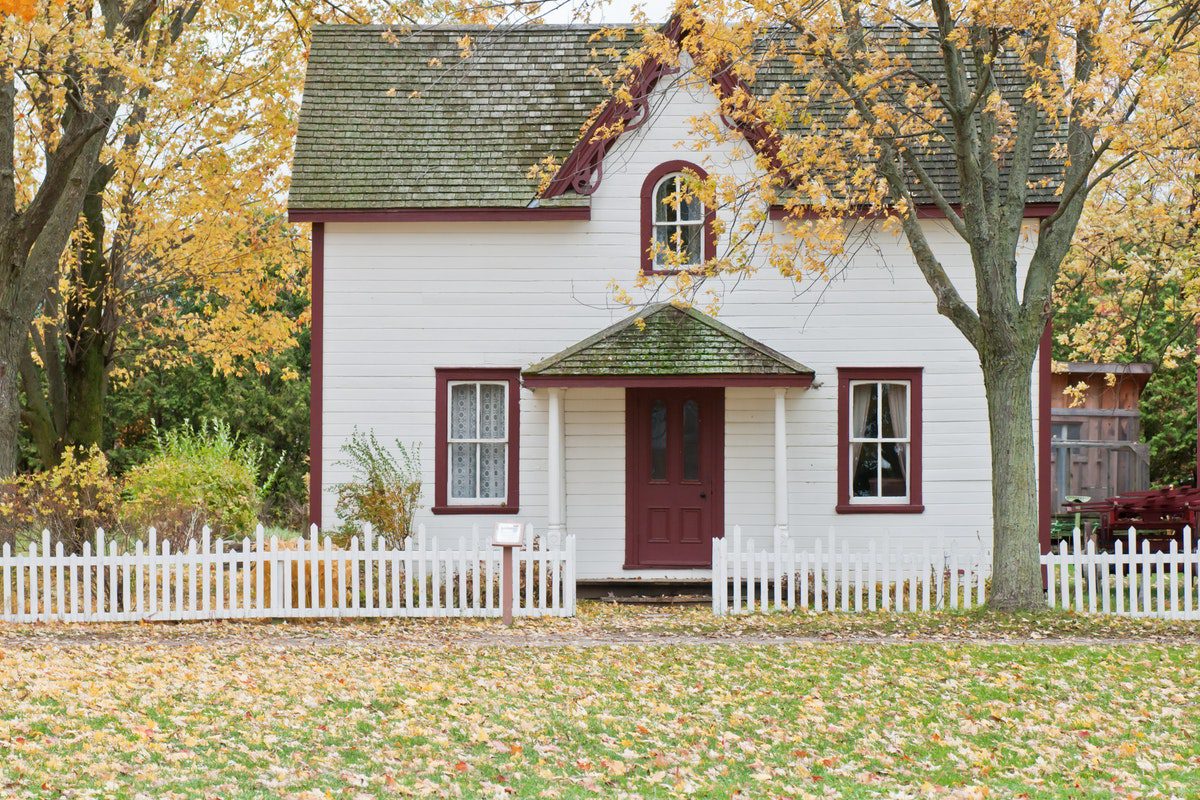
point(385, 490)
point(71, 500)
point(196, 477)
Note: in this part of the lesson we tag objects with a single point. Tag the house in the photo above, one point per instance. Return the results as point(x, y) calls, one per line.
point(1096, 439)
point(456, 307)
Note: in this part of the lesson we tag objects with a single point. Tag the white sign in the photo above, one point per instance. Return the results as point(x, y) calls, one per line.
point(507, 534)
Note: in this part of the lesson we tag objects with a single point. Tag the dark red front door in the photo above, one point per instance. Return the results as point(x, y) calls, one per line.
point(675, 469)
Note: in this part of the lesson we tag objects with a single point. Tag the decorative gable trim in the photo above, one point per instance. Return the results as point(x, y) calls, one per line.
point(583, 167)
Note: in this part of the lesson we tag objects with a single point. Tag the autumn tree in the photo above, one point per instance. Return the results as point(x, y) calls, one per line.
point(144, 161)
point(1130, 291)
point(858, 124)
point(77, 61)
point(182, 245)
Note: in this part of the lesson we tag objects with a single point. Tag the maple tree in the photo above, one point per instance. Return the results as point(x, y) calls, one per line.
point(182, 246)
point(1110, 83)
point(145, 147)
point(1130, 291)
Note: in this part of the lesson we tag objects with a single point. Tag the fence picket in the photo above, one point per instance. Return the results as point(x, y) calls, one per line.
point(858, 582)
point(529, 585)
point(72, 585)
point(1188, 559)
point(926, 569)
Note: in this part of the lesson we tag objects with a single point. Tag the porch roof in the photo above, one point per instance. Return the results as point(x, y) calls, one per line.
point(673, 346)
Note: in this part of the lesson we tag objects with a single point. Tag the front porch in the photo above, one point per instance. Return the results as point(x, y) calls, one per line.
point(661, 430)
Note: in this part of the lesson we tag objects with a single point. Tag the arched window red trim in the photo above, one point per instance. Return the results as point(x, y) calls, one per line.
point(647, 237)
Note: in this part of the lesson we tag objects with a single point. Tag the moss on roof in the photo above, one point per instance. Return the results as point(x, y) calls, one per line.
point(412, 124)
point(393, 122)
point(673, 341)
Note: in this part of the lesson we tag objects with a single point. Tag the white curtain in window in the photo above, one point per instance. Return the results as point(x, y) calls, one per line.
point(897, 398)
point(861, 401)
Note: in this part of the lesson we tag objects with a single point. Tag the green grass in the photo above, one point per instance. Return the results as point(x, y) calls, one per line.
point(391, 709)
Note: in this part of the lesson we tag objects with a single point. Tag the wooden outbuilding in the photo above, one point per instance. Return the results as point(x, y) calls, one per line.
point(1096, 444)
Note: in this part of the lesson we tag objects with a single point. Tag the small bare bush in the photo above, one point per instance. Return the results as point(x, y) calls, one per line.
point(385, 489)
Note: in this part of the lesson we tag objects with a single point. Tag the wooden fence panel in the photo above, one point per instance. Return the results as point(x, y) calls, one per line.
point(308, 578)
point(1130, 581)
point(833, 577)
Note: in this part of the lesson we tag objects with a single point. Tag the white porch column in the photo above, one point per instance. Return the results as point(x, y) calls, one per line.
point(781, 470)
point(554, 464)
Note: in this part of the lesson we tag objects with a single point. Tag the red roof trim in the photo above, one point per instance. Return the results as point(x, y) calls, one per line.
point(472, 214)
point(681, 381)
point(924, 211)
point(316, 373)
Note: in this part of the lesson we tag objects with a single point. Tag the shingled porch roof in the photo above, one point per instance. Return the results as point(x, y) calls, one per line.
point(675, 346)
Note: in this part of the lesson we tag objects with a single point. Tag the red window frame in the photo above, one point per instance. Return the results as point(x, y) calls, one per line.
point(441, 459)
point(710, 215)
point(914, 377)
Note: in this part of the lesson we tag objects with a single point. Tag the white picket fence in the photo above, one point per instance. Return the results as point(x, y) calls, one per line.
point(214, 579)
point(1131, 580)
point(832, 578)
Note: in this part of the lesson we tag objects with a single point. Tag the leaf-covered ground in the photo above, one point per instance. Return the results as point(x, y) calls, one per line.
point(615, 703)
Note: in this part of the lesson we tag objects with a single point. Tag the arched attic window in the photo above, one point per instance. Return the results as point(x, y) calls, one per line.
point(675, 235)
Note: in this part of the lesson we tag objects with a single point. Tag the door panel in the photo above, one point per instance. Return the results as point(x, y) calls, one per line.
point(674, 451)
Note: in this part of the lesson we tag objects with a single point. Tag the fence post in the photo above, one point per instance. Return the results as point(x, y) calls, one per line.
point(508, 586)
point(1189, 557)
point(570, 587)
point(717, 575)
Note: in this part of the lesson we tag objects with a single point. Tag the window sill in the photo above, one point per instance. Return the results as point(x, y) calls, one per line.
point(475, 510)
point(897, 508)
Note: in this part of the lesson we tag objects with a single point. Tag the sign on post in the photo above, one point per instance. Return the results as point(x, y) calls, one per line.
point(507, 536)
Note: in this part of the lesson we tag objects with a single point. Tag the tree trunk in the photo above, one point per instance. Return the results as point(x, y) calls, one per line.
point(86, 365)
point(1016, 563)
point(14, 338)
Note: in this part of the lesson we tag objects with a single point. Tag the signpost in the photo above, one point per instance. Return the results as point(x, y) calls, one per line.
point(507, 536)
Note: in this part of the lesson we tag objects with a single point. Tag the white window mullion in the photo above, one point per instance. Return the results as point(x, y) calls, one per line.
point(478, 437)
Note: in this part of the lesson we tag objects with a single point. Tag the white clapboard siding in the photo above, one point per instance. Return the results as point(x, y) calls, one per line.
point(1131, 580)
point(310, 578)
point(834, 576)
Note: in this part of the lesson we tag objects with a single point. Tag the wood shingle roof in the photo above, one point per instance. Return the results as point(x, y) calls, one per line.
point(405, 122)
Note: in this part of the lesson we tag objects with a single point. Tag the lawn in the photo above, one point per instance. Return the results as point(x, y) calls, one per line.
point(696, 708)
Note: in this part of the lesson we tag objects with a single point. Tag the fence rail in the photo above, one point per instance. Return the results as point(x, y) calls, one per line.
point(1130, 581)
point(829, 578)
point(214, 579)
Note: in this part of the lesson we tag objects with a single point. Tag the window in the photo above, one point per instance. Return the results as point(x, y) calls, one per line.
point(477, 424)
point(879, 440)
point(678, 224)
point(1066, 431)
point(677, 230)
